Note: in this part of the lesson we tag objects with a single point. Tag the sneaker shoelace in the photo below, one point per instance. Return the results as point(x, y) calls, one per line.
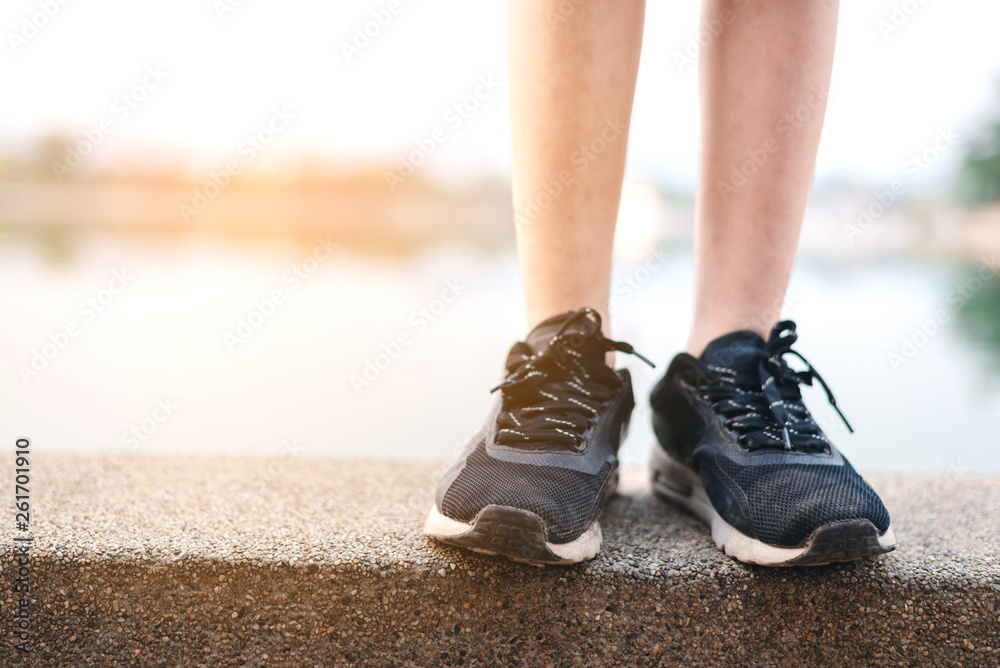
point(765, 408)
point(551, 398)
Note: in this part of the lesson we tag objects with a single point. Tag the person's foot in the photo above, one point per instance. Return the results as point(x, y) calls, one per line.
point(739, 449)
point(531, 485)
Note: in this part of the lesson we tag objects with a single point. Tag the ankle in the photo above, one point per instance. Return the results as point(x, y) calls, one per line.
point(538, 316)
point(704, 333)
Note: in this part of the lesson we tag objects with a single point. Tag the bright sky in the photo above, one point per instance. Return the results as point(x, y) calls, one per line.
point(229, 63)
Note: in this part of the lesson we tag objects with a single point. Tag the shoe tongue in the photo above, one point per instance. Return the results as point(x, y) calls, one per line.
point(579, 335)
point(736, 350)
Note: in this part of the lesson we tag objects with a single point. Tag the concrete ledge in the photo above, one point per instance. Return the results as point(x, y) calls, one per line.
point(226, 561)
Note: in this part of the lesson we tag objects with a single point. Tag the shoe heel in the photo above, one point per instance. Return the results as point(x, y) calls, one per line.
point(670, 478)
point(611, 488)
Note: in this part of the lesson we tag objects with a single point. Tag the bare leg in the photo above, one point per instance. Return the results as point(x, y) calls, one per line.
point(764, 83)
point(572, 79)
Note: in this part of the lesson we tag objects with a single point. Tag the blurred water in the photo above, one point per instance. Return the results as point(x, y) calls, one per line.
point(150, 367)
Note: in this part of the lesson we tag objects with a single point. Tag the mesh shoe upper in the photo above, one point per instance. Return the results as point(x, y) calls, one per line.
point(736, 417)
point(787, 502)
point(567, 501)
point(550, 448)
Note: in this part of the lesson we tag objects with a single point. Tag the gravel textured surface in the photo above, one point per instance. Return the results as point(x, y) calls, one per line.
point(228, 561)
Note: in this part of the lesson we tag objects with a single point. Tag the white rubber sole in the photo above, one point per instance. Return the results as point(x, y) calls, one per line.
point(682, 486)
point(512, 533)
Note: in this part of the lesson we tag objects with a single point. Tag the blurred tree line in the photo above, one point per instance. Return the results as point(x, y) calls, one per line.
point(979, 178)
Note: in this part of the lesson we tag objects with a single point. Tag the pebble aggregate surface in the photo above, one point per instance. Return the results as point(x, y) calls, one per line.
point(154, 560)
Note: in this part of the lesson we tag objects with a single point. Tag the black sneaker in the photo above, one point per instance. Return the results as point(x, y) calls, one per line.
point(531, 485)
point(740, 450)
